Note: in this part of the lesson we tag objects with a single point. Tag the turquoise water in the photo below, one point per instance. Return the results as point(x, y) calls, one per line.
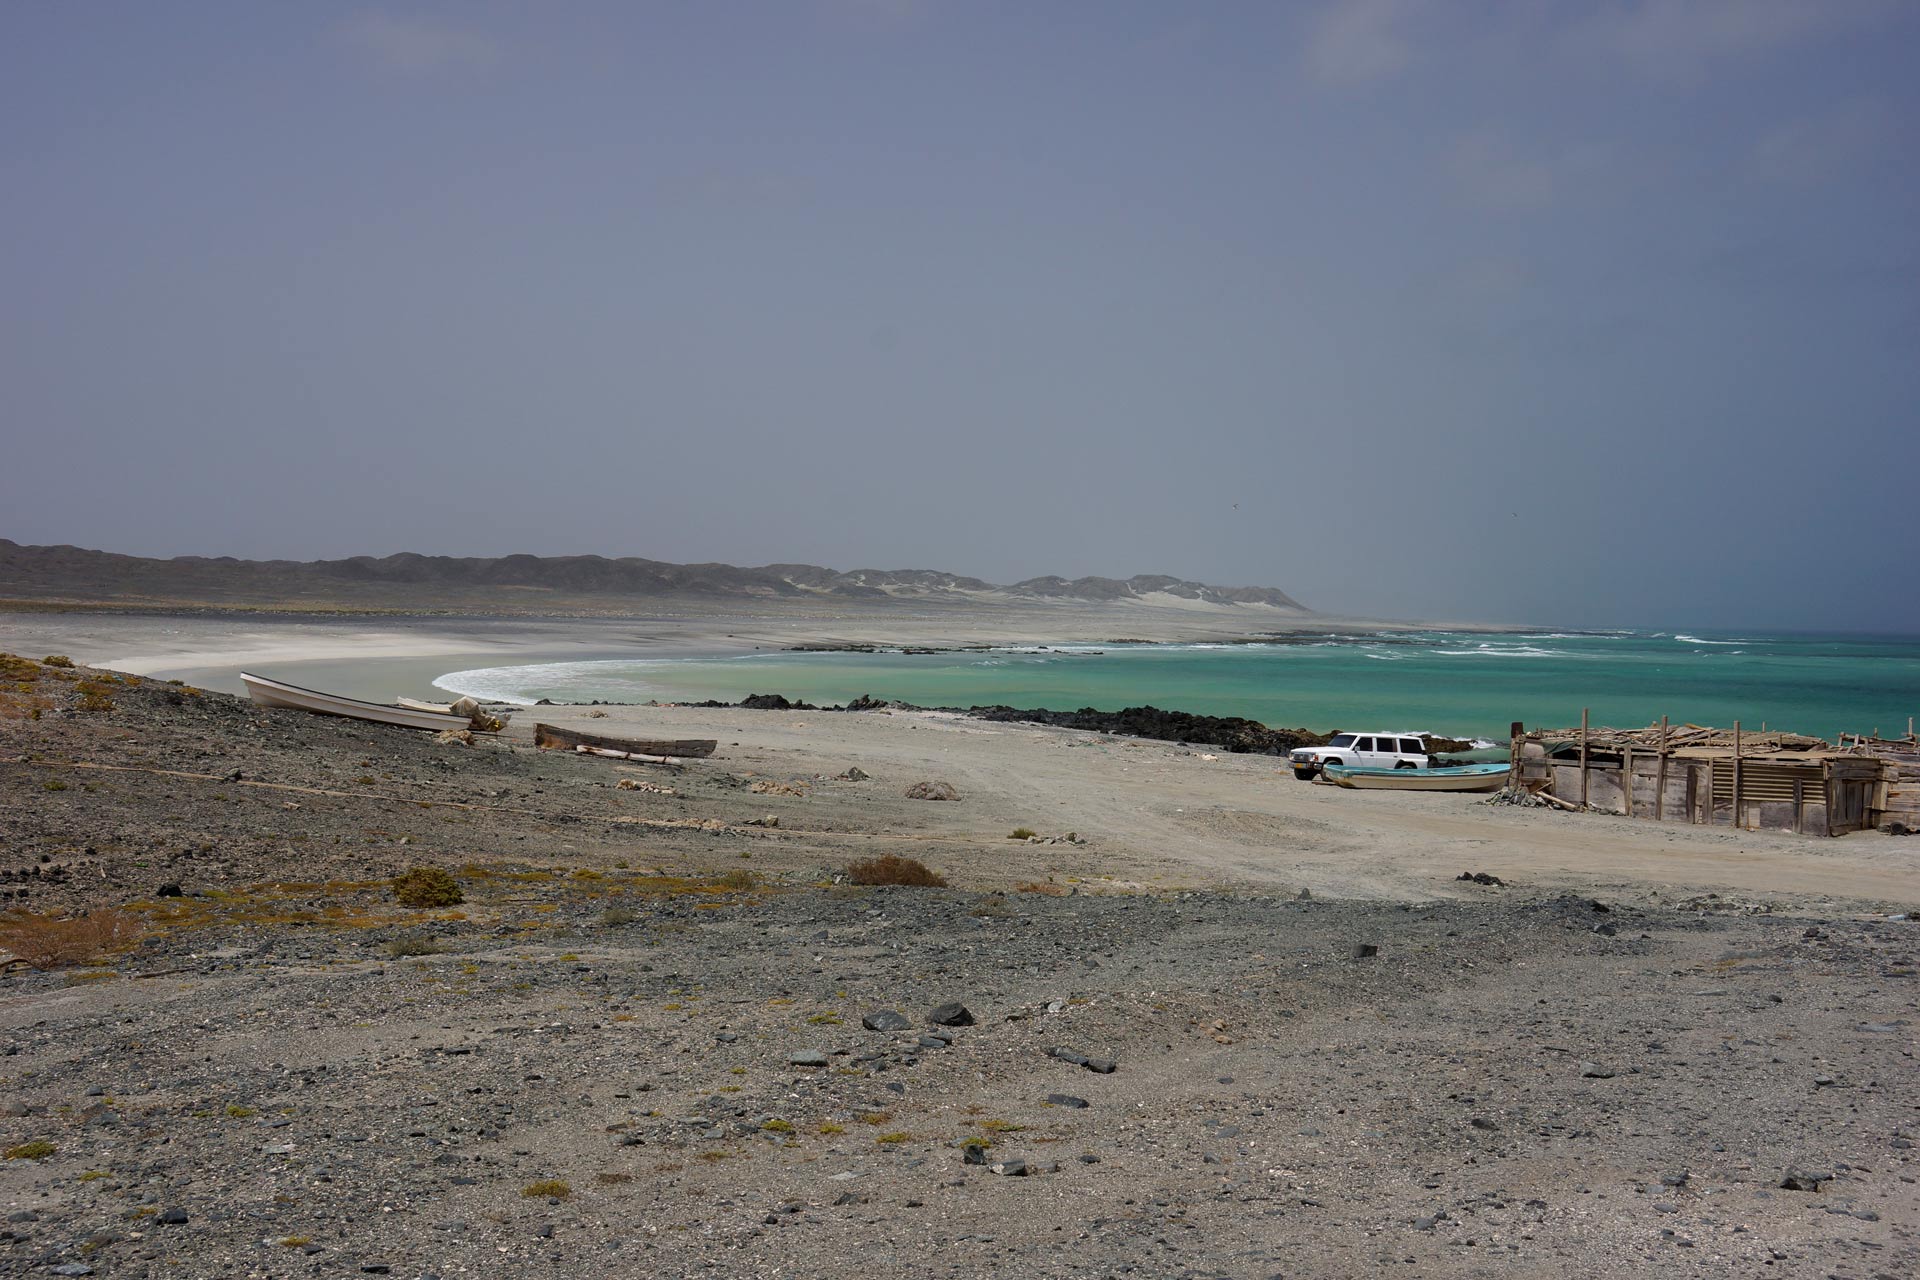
point(1460, 684)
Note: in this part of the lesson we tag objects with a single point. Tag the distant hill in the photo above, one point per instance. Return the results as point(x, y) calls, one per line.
point(524, 583)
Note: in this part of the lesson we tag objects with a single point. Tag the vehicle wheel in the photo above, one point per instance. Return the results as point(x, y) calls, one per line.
point(1305, 775)
point(1405, 764)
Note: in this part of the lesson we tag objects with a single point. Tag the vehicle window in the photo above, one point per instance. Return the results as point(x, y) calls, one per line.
point(1411, 744)
point(1341, 740)
point(1363, 744)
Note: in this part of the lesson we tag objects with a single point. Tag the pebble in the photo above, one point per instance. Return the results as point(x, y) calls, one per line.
point(1066, 1100)
point(807, 1058)
point(951, 1015)
point(885, 1020)
point(1594, 1071)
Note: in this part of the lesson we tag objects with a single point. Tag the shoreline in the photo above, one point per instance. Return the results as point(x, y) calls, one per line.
point(210, 647)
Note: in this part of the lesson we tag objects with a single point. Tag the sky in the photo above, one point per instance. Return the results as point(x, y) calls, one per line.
point(1550, 312)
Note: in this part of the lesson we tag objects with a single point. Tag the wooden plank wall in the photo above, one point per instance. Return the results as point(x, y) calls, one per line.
point(1769, 798)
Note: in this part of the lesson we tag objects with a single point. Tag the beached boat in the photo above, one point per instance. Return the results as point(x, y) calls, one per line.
point(278, 693)
point(1465, 777)
point(415, 704)
point(546, 735)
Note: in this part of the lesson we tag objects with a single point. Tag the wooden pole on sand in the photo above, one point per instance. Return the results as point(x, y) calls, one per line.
point(1583, 757)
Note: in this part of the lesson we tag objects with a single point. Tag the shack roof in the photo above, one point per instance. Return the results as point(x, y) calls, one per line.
point(1689, 737)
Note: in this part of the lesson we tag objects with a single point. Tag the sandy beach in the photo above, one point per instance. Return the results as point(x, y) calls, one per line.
point(1215, 1021)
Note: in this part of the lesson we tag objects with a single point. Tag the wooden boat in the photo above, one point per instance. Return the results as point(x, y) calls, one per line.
point(278, 693)
point(1465, 777)
point(546, 735)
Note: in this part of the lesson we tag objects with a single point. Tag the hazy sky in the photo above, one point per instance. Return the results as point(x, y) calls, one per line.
point(1545, 311)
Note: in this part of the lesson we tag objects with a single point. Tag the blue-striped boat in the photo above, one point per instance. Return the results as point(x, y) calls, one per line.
point(1463, 777)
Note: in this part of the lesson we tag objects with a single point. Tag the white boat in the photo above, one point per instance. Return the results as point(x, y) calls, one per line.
point(277, 693)
point(1466, 777)
point(415, 704)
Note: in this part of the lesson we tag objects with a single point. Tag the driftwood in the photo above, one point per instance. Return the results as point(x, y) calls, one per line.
point(546, 735)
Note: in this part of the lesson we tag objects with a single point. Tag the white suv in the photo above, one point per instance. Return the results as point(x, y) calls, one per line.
point(1367, 750)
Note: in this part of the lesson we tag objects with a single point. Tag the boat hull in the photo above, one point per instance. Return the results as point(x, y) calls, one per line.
point(277, 693)
point(546, 735)
point(1476, 777)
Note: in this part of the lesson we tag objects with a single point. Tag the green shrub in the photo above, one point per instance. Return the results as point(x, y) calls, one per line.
point(57, 660)
point(1021, 833)
point(38, 1149)
point(427, 887)
point(547, 1189)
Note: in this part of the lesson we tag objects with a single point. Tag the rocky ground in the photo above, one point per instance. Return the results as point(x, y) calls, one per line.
point(655, 1039)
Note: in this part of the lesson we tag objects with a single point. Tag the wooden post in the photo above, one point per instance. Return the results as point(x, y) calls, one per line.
point(1736, 773)
point(1626, 779)
point(1583, 757)
point(1707, 820)
point(1660, 776)
point(1799, 806)
point(1693, 797)
point(1515, 733)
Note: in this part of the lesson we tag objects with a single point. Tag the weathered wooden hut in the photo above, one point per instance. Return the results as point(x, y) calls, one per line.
point(1704, 776)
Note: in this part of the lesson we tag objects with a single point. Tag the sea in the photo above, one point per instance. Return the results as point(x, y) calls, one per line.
point(1460, 684)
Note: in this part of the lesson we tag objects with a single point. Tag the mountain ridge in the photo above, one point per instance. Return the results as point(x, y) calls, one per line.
point(66, 572)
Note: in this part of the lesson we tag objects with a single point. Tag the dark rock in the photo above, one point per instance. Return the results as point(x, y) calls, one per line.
point(974, 1154)
point(1594, 1071)
point(773, 702)
point(1803, 1180)
point(951, 1015)
point(1364, 950)
point(885, 1020)
point(172, 1217)
point(1066, 1100)
point(169, 890)
point(1232, 733)
point(1481, 1122)
point(1481, 877)
point(1101, 1066)
point(856, 774)
point(1068, 1055)
point(1010, 1168)
point(807, 1058)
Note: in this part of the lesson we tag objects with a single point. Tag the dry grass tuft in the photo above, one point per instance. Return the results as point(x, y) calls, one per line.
point(546, 1189)
point(1051, 890)
point(427, 887)
point(893, 869)
point(55, 942)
